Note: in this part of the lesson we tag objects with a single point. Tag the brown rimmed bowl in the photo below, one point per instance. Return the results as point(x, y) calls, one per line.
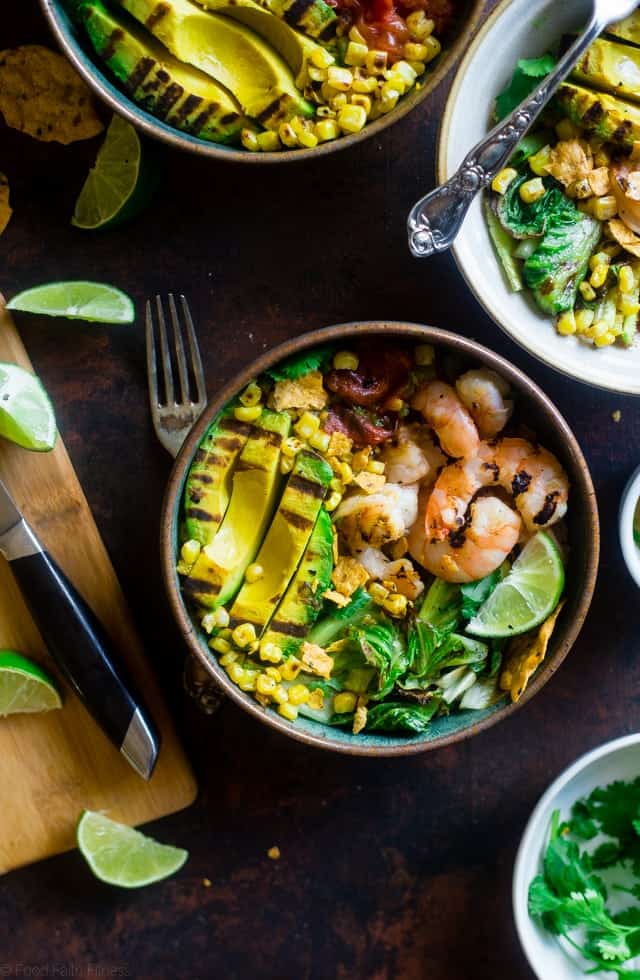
point(534, 409)
point(77, 50)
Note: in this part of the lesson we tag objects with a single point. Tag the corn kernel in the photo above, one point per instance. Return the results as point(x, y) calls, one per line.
point(403, 70)
point(605, 339)
point(288, 711)
point(250, 140)
point(599, 276)
point(280, 694)
point(332, 501)
point(600, 258)
point(320, 441)
point(287, 134)
point(378, 592)
point(433, 47)
point(424, 355)
point(340, 78)
point(229, 658)
point(336, 484)
point(274, 674)
point(299, 694)
point(420, 25)
point(317, 74)
point(270, 652)
point(364, 85)
point(244, 635)
point(308, 139)
point(346, 360)
point(567, 130)
point(190, 551)
point(532, 190)
point(221, 617)
point(626, 280)
point(364, 101)
point(414, 51)
point(579, 190)
point(220, 645)
point(321, 58)
point(604, 208)
point(291, 446)
point(346, 473)
point(360, 459)
point(247, 413)
point(618, 325)
point(352, 118)
point(375, 466)
point(376, 62)
point(356, 36)
point(538, 162)
point(627, 305)
point(226, 634)
point(328, 92)
point(566, 324)
point(344, 702)
point(584, 320)
point(356, 54)
point(418, 67)
point(327, 129)
point(265, 685)
point(248, 680)
point(291, 668)
point(599, 329)
point(392, 89)
point(306, 425)
point(286, 464)
point(394, 404)
point(207, 622)
point(338, 101)
point(254, 573)
point(503, 180)
point(396, 605)
point(252, 394)
point(235, 672)
point(268, 141)
point(324, 112)
point(587, 291)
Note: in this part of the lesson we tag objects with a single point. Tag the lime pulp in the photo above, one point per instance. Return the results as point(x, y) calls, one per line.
point(26, 413)
point(24, 687)
point(120, 855)
point(97, 302)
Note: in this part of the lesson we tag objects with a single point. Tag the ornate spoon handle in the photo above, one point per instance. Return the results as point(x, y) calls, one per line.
point(436, 219)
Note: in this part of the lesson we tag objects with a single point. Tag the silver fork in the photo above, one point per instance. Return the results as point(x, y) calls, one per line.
point(180, 403)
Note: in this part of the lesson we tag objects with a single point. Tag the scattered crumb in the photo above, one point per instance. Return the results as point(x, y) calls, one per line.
point(274, 853)
point(617, 415)
point(316, 660)
point(337, 597)
point(206, 882)
point(370, 482)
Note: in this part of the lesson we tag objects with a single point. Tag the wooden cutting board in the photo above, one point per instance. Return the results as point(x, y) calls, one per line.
point(52, 766)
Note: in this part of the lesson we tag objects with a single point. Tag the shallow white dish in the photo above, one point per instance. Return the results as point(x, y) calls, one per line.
point(517, 29)
point(619, 759)
point(628, 504)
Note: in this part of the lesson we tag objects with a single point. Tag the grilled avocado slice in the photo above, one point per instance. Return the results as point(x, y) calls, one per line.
point(609, 118)
point(216, 576)
point(302, 601)
point(230, 53)
point(177, 93)
point(208, 486)
point(313, 17)
point(611, 67)
point(285, 542)
point(627, 29)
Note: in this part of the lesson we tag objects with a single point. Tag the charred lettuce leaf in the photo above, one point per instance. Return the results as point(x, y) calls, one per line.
point(560, 262)
point(524, 220)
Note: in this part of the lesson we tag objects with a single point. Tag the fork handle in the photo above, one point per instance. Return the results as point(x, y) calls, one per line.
point(436, 219)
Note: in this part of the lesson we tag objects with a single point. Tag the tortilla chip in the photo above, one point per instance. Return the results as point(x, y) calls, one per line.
point(570, 160)
point(623, 235)
point(348, 575)
point(524, 656)
point(5, 208)
point(599, 181)
point(41, 95)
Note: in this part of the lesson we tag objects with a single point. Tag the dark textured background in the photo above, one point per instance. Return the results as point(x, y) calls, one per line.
point(390, 870)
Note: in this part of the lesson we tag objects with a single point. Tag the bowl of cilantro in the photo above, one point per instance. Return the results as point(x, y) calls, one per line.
point(576, 882)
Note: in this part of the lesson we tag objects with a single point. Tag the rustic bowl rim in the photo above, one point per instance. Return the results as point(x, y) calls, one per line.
point(422, 332)
point(153, 127)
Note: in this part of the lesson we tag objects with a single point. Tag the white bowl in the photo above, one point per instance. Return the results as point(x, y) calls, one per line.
point(517, 29)
point(619, 759)
point(628, 504)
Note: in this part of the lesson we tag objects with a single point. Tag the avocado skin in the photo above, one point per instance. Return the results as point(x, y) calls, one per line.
point(285, 542)
point(603, 67)
point(207, 489)
point(156, 81)
point(218, 572)
point(609, 118)
point(302, 601)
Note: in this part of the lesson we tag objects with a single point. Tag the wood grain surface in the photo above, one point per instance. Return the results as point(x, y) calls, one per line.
point(56, 765)
point(390, 870)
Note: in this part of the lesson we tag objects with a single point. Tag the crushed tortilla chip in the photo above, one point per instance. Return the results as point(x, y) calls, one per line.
point(370, 482)
point(339, 444)
point(360, 716)
point(316, 659)
point(316, 699)
point(5, 208)
point(599, 181)
point(570, 160)
point(624, 236)
point(404, 578)
point(41, 95)
point(337, 597)
point(274, 853)
point(524, 656)
point(305, 392)
point(349, 575)
point(334, 546)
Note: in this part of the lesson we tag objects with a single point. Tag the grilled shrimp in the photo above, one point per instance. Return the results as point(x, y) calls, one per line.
point(532, 475)
point(474, 551)
point(377, 518)
point(413, 455)
point(442, 409)
point(484, 393)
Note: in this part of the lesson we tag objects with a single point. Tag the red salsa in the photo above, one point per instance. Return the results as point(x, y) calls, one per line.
point(382, 23)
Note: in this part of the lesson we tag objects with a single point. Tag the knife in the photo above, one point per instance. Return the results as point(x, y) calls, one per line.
point(77, 641)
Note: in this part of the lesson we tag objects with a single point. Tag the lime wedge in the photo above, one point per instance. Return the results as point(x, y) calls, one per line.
point(527, 596)
point(123, 856)
point(24, 687)
point(26, 413)
point(76, 300)
point(119, 185)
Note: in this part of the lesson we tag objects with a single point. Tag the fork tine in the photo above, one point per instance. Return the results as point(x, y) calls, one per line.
point(152, 364)
point(166, 357)
point(196, 360)
point(179, 347)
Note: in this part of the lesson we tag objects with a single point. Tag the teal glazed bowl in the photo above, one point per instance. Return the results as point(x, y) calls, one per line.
point(534, 408)
point(99, 79)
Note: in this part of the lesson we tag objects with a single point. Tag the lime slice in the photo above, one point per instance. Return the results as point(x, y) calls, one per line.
point(24, 687)
point(76, 300)
point(26, 413)
point(527, 596)
point(123, 856)
point(120, 183)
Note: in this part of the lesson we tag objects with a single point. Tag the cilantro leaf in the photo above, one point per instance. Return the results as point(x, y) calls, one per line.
point(298, 365)
point(528, 73)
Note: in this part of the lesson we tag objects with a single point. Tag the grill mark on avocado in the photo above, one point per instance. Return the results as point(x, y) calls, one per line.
point(328, 31)
point(295, 13)
point(231, 444)
point(548, 508)
point(234, 425)
point(229, 119)
point(198, 586)
point(168, 99)
point(242, 466)
point(271, 438)
point(198, 514)
point(203, 118)
point(308, 487)
point(297, 520)
point(594, 114)
point(266, 113)
point(117, 35)
point(201, 478)
point(139, 73)
point(289, 629)
point(160, 10)
point(189, 106)
point(622, 132)
point(163, 76)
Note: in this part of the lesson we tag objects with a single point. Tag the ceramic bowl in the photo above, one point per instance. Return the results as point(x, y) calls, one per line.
point(539, 413)
point(619, 759)
point(517, 29)
point(628, 506)
point(101, 82)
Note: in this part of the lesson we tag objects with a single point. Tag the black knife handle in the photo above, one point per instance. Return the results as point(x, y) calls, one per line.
point(79, 645)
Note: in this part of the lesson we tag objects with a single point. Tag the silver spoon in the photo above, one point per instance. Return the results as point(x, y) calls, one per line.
point(436, 219)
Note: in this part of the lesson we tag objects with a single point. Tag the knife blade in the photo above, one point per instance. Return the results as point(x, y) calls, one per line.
point(77, 641)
